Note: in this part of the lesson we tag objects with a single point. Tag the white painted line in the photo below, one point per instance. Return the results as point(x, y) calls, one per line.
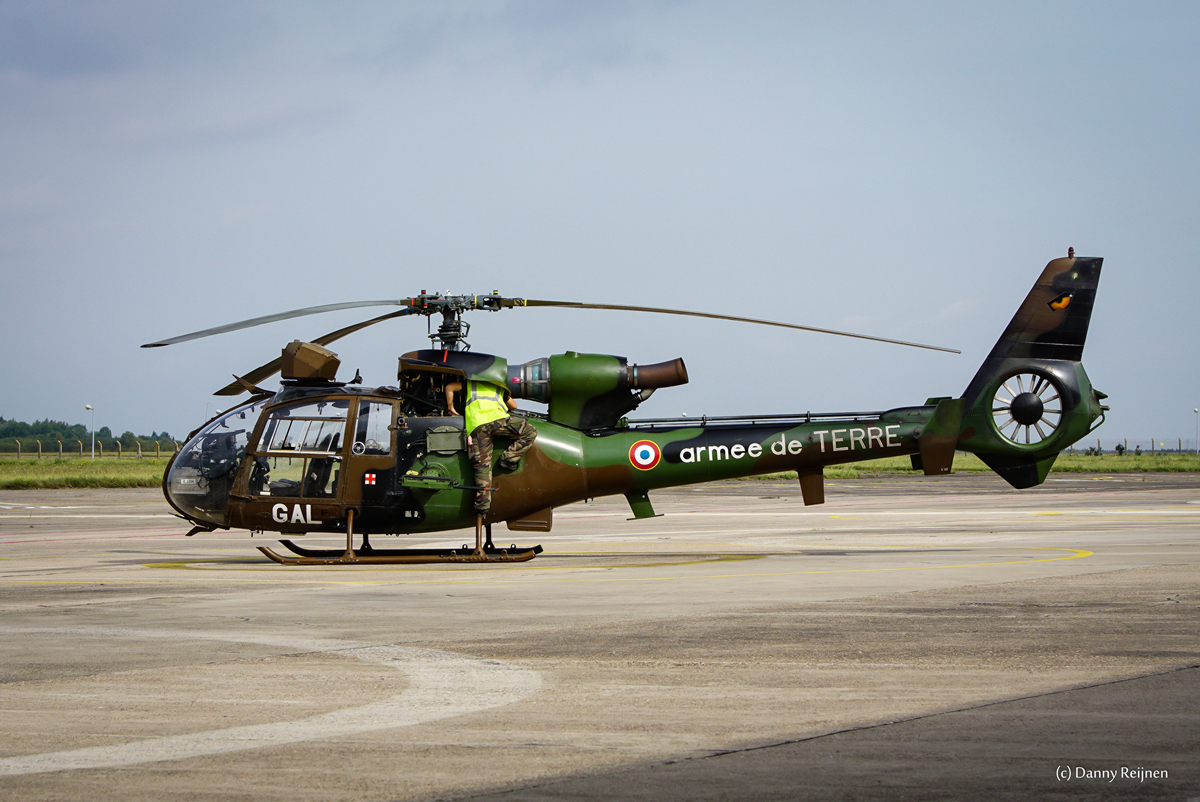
point(46, 507)
point(846, 512)
point(96, 515)
point(441, 685)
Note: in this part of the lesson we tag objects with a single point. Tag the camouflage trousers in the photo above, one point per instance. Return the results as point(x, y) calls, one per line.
point(480, 451)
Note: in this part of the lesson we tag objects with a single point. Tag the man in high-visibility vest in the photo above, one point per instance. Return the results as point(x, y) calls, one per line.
point(486, 416)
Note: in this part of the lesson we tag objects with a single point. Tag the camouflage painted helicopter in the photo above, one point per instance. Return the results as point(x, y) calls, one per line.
point(323, 456)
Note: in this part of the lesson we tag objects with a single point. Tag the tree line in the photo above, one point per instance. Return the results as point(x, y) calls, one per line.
point(51, 431)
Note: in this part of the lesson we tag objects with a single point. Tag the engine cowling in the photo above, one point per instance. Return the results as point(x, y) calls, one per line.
point(591, 391)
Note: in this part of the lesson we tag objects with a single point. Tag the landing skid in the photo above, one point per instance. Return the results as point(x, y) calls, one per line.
point(484, 552)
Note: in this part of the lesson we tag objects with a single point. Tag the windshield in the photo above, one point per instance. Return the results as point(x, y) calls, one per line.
point(202, 474)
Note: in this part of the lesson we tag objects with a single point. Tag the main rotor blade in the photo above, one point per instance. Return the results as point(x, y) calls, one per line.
point(621, 308)
point(271, 368)
point(258, 321)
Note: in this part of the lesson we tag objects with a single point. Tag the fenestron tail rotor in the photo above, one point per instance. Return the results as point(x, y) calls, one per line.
point(451, 333)
point(1027, 408)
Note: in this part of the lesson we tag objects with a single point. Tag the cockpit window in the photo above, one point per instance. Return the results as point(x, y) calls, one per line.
point(314, 427)
point(372, 435)
point(299, 454)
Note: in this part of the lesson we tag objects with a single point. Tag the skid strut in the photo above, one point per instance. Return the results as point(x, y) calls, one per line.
point(484, 551)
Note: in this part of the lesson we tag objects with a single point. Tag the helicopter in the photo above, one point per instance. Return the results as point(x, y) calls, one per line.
point(325, 456)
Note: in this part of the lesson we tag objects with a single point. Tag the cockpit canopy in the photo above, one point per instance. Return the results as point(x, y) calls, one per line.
point(202, 473)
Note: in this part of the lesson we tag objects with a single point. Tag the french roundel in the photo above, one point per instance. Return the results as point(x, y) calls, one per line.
point(644, 455)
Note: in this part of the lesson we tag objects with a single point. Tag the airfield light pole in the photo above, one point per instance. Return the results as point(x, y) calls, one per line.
point(89, 408)
point(1197, 411)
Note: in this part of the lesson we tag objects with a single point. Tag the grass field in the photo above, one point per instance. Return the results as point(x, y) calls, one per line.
point(29, 473)
point(1066, 463)
point(52, 472)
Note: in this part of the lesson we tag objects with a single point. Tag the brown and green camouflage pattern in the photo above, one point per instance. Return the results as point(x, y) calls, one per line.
point(1046, 337)
point(425, 482)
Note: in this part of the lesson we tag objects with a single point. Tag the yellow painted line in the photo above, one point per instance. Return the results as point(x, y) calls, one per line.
point(1075, 554)
point(1083, 513)
point(250, 561)
point(456, 578)
point(195, 565)
point(313, 574)
point(995, 513)
point(318, 574)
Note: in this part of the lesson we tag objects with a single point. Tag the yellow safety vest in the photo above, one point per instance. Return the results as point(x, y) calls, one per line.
point(485, 403)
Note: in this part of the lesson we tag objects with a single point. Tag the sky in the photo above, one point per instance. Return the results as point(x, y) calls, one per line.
point(903, 170)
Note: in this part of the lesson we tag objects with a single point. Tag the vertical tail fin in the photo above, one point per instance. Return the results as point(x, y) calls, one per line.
point(1031, 397)
point(1052, 323)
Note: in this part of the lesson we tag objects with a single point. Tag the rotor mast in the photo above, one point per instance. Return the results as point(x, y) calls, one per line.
point(451, 334)
point(453, 331)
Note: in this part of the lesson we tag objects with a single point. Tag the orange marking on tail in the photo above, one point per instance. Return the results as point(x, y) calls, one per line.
point(1061, 304)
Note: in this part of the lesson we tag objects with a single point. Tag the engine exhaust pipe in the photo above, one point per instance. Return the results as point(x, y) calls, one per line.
point(652, 377)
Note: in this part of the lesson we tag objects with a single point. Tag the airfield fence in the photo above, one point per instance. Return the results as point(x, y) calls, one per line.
point(1144, 445)
point(36, 448)
point(32, 447)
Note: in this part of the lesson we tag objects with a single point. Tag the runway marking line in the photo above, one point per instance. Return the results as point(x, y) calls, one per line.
point(313, 573)
point(977, 513)
point(90, 516)
point(1075, 555)
point(193, 565)
point(792, 513)
point(96, 536)
point(441, 685)
point(43, 507)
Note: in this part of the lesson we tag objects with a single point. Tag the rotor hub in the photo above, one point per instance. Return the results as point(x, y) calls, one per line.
point(1027, 409)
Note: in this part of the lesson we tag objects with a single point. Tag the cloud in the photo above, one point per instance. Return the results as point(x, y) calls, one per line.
point(60, 39)
point(547, 38)
point(216, 123)
point(559, 36)
point(799, 162)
